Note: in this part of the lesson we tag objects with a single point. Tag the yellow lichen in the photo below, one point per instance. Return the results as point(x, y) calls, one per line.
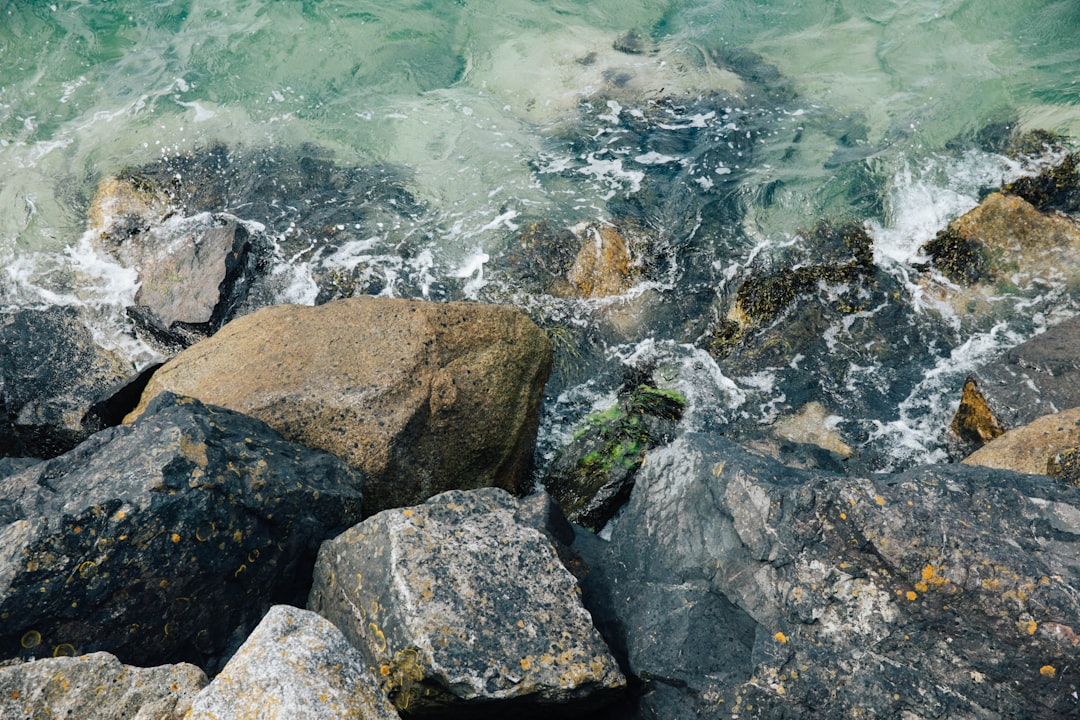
point(1048, 671)
point(913, 596)
point(780, 638)
point(526, 663)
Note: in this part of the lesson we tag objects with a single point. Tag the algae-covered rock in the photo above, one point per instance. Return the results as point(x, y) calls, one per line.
point(294, 665)
point(463, 606)
point(593, 476)
point(97, 687)
point(164, 540)
point(421, 396)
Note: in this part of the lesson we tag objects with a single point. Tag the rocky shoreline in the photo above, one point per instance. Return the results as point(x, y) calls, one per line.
point(330, 511)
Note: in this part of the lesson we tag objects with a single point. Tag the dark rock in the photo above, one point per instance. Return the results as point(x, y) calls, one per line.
point(593, 476)
point(1037, 377)
point(97, 687)
point(735, 586)
point(422, 397)
point(164, 540)
point(1065, 466)
point(1054, 188)
point(300, 665)
point(51, 373)
point(466, 611)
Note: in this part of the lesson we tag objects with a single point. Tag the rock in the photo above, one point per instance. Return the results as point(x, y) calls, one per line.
point(294, 665)
point(610, 259)
point(97, 687)
point(164, 540)
point(126, 206)
point(464, 608)
point(1032, 447)
point(423, 397)
point(51, 373)
point(735, 586)
point(1037, 377)
point(813, 425)
point(1008, 241)
point(1065, 466)
point(592, 477)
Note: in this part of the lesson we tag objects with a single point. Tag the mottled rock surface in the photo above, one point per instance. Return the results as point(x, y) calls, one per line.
point(295, 665)
point(421, 396)
point(51, 373)
point(164, 540)
point(1031, 448)
point(736, 586)
point(463, 606)
point(1036, 378)
point(96, 687)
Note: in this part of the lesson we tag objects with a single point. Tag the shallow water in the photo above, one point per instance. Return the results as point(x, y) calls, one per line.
point(724, 127)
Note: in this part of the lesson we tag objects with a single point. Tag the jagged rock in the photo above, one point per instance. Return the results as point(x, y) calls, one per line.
point(423, 397)
point(51, 373)
point(1037, 377)
point(97, 687)
point(295, 665)
point(164, 540)
point(1032, 447)
point(592, 477)
point(463, 606)
point(812, 425)
point(736, 586)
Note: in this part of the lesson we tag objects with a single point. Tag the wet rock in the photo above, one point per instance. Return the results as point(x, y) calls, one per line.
point(1031, 448)
point(301, 666)
point(610, 259)
point(1007, 241)
point(164, 540)
point(97, 687)
point(1037, 377)
point(1054, 188)
point(126, 206)
point(736, 586)
point(422, 397)
point(51, 373)
point(464, 607)
point(593, 476)
point(813, 425)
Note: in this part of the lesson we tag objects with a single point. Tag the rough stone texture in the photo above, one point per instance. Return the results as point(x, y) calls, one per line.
point(609, 261)
point(51, 373)
point(295, 665)
point(122, 207)
point(461, 604)
point(1036, 378)
point(423, 397)
point(1030, 448)
point(734, 586)
point(164, 540)
point(96, 687)
point(812, 425)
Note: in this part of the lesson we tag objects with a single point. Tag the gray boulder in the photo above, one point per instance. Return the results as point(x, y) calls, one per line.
point(97, 687)
point(164, 540)
point(463, 607)
point(736, 586)
point(51, 374)
point(295, 665)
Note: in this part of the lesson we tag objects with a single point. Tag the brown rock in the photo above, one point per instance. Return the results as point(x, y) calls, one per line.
point(423, 397)
point(606, 264)
point(1030, 448)
point(123, 206)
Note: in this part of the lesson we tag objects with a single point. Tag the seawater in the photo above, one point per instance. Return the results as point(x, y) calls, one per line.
point(500, 112)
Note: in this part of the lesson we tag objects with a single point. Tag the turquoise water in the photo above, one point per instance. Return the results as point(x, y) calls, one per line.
point(498, 112)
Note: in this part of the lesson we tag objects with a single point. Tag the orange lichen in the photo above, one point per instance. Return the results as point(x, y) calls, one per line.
point(912, 595)
point(1048, 671)
point(780, 638)
point(526, 663)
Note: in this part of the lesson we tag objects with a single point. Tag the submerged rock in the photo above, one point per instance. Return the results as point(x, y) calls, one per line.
point(51, 374)
point(422, 397)
point(295, 665)
point(97, 687)
point(164, 540)
point(463, 607)
point(1038, 377)
point(736, 586)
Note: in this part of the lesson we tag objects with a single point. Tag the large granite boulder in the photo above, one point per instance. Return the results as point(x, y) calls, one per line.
point(1031, 448)
point(736, 586)
point(464, 607)
point(51, 374)
point(97, 687)
point(295, 665)
point(423, 397)
point(1036, 378)
point(164, 540)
